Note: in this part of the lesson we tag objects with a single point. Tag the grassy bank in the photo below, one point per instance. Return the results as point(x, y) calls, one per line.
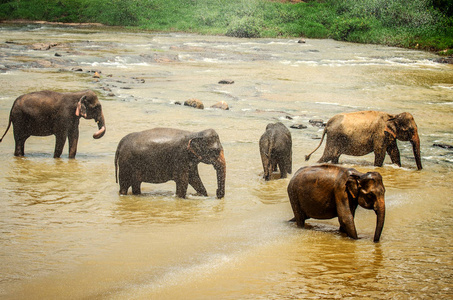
point(423, 24)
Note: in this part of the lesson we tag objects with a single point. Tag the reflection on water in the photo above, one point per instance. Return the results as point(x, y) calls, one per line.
point(66, 233)
point(164, 208)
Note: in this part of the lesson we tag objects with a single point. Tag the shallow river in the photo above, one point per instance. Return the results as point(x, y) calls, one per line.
point(65, 233)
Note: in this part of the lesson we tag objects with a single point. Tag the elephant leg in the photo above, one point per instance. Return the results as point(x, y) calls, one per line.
point(299, 215)
point(181, 189)
point(346, 218)
point(379, 157)
point(196, 183)
point(136, 190)
point(282, 167)
point(289, 164)
point(20, 145)
point(267, 166)
point(182, 182)
point(331, 153)
point(73, 140)
point(124, 179)
point(124, 186)
point(60, 140)
point(329, 157)
point(353, 208)
point(394, 153)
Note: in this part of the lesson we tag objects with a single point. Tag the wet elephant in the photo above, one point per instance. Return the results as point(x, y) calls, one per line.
point(329, 191)
point(51, 113)
point(162, 154)
point(276, 150)
point(360, 133)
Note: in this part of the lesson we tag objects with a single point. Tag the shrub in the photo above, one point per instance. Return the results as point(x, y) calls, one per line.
point(343, 28)
point(245, 27)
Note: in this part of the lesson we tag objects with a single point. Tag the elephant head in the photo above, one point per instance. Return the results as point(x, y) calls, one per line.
point(368, 190)
point(404, 128)
point(89, 107)
point(207, 148)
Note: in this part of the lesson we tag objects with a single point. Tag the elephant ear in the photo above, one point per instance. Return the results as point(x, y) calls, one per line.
point(352, 185)
point(194, 147)
point(81, 110)
point(390, 126)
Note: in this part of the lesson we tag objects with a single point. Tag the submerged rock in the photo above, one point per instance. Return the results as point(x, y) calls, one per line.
point(298, 126)
point(226, 81)
point(444, 146)
point(43, 46)
point(317, 123)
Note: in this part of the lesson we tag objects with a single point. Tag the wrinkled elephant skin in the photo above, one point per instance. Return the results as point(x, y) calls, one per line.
point(163, 154)
point(329, 191)
point(276, 150)
point(360, 133)
point(51, 113)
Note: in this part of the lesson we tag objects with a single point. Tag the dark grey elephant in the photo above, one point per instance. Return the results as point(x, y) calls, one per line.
point(360, 133)
point(162, 154)
point(329, 191)
point(276, 150)
point(51, 113)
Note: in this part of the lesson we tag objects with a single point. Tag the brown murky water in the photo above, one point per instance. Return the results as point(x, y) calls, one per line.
point(67, 234)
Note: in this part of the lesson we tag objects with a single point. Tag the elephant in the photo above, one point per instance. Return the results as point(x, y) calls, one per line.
point(47, 113)
point(329, 191)
point(359, 133)
point(276, 150)
point(162, 154)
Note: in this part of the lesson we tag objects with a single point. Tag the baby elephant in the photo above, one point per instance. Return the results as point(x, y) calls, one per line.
point(162, 154)
point(329, 191)
point(276, 150)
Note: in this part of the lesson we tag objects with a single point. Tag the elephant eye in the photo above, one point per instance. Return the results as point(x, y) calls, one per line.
point(215, 151)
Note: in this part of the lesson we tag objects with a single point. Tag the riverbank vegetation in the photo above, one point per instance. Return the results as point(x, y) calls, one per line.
point(422, 24)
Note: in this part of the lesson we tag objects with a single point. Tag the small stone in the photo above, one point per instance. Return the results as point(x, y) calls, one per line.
point(317, 123)
point(298, 126)
point(226, 81)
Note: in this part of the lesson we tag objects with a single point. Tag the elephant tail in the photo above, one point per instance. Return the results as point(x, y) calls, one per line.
point(307, 157)
point(9, 125)
point(116, 165)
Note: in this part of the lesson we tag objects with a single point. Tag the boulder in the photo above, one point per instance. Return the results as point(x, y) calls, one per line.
point(221, 105)
point(43, 46)
point(195, 103)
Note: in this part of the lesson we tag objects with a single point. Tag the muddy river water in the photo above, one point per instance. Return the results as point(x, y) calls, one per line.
point(66, 233)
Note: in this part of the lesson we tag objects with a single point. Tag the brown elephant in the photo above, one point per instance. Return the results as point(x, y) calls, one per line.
point(329, 191)
point(162, 154)
point(363, 132)
point(51, 113)
point(276, 150)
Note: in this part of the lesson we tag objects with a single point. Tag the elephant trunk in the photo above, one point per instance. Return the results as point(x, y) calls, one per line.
point(101, 125)
point(220, 167)
point(415, 141)
point(379, 208)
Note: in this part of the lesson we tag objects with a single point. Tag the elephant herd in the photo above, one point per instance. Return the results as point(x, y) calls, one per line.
point(159, 155)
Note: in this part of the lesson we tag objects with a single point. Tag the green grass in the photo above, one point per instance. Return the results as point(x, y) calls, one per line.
point(423, 24)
